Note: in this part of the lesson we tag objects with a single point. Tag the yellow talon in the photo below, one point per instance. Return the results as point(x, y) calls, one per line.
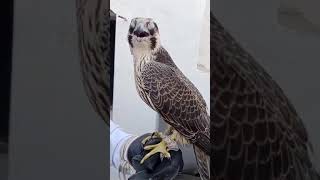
point(160, 147)
point(146, 139)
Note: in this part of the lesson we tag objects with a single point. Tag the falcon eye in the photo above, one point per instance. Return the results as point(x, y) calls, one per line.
point(130, 29)
point(150, 27)
point(132, 24)
point(155, 25)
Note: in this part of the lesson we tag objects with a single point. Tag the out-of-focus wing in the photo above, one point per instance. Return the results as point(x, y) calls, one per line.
point(94, 44)
point(257, 132)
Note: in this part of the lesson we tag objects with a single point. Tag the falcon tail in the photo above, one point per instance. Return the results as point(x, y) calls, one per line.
point(203, 161)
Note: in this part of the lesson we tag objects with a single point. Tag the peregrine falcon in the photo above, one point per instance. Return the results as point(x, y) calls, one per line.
point(163, 87)
point(258, 134)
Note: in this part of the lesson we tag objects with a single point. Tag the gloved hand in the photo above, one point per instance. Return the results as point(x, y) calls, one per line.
point(153, 167)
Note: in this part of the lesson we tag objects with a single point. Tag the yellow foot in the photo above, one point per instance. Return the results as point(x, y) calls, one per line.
point(160, 147)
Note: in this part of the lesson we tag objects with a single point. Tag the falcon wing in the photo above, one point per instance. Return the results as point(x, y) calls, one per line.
point(94, 44)
point(179, 102)
point(257, 132)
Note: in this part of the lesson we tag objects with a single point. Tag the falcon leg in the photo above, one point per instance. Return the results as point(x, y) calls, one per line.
point(169, 130)
point(163, 147)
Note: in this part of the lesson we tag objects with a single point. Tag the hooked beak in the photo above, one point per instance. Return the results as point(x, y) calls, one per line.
point(140, 32)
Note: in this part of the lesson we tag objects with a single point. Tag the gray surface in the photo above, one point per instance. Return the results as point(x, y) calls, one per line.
point(3, 166)
point(290, 57)
point(55, 134)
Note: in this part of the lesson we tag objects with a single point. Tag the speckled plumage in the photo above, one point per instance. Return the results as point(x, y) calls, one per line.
point(169, 92)
point(94, 45)
point(258, 134)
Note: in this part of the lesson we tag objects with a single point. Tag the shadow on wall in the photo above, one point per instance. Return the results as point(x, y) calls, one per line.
point(5, 79)
point(303, 19)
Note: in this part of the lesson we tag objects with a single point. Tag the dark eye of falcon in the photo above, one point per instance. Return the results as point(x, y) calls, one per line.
point(132, 24)
point(130, 29)
point(151, 28)
point(155, 25)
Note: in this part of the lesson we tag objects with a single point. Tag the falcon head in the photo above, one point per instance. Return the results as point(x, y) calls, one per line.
point(143, 34)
